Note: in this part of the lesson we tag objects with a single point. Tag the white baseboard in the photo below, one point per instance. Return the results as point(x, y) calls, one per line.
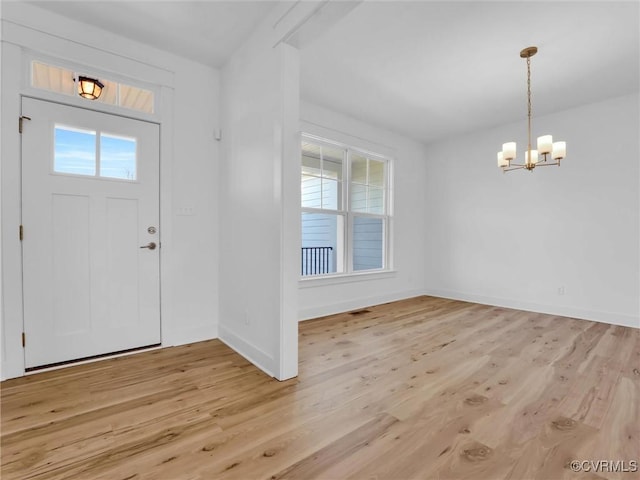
point(173, 338)
point(324, 310)
point(255, 355)
point(11, 369)
point(564, 311)
point(169, 339)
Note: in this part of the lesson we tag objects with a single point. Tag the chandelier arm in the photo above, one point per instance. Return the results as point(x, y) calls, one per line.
point(514, 168)
point(547, 164)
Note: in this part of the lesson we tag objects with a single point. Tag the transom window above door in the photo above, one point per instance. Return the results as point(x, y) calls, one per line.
point(63, 80)
point(85, 152)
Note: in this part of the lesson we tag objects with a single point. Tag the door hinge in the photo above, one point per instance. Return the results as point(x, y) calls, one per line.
point(24, 339)
point(21, 233)
point(20, 121)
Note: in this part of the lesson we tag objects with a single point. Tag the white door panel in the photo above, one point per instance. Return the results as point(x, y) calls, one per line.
point(90, 192)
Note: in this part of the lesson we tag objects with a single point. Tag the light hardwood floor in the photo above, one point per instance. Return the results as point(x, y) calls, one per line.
point(423, 388)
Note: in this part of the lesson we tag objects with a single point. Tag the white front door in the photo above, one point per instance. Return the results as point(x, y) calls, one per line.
point(90, 204)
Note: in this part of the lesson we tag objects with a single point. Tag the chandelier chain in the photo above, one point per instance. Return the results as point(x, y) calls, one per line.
point(529, 100)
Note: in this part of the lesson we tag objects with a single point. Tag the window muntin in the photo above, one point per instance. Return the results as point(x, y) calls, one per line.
point(109, 93)
point(322, 176)
point(353, 232)
point(367, 184)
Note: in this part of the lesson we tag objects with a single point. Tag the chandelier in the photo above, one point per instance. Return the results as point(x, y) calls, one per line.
point(546, 146)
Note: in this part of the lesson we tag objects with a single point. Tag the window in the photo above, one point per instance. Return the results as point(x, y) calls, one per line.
point(345, 209)
point(78, 152)
point(62, 80)
point(54, 79)
point(117, 157)
point(75, 151)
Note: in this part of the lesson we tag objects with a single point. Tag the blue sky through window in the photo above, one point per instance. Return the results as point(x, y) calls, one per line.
point(75, 153)
point(117, 157)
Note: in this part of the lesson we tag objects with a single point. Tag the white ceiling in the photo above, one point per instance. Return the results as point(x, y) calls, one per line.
point(433, 69)
point(423, 68)
point(205, 31)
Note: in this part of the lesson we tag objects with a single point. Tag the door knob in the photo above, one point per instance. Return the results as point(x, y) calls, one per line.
point(150, 246)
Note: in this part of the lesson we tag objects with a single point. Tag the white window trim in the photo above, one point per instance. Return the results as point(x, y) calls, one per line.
point(349, 274)
point(28, 90)
point(339, 278)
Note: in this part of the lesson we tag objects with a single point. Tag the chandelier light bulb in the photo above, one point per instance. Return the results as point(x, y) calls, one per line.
point(509, 150)
point(545, 144)
point(559, 150)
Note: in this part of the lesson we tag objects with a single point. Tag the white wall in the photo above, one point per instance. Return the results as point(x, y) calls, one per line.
point(324, 296)
point(260, 194)
point(189, 165)
point(515, 239)
point(192, 273)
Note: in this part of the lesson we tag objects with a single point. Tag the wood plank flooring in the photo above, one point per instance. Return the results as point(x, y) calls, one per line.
point(425, 388)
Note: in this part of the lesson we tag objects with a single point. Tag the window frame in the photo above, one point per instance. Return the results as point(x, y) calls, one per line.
point(155, 85)
point(98, 153)
point(346, 211)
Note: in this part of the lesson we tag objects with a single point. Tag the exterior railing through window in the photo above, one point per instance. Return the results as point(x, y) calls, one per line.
point(316, 260)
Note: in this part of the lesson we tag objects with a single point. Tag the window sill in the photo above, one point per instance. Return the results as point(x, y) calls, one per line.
point(321, 281)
